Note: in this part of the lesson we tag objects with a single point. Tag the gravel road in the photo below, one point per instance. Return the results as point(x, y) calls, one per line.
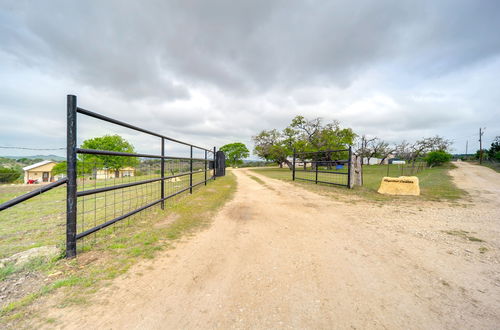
point(278, 256)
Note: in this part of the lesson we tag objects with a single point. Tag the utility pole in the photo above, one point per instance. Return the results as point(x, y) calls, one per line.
point(481, 145)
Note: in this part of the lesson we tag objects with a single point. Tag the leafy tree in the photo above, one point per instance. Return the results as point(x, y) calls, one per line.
point(494, 152)
point(374, 147)
point(59, 168)
point(110, 143)
point(8, 175)
point(29, 161)
point(271, 145)
point(312, 135)
point(235, 152)
point(82, 168)
point(303, 135)
point(419, 149)
point(436, 158)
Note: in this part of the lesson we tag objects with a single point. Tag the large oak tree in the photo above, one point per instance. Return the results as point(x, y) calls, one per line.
point(304, 136)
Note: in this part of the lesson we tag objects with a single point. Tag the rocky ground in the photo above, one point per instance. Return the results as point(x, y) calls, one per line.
point(278, 256)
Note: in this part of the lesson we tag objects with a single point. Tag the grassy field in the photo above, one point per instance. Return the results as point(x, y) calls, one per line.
point(40, 221)
point(435, 183)
point(109, 252)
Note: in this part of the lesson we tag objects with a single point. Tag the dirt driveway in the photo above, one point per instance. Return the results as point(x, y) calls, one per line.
point(481, 182)
point(279, 256)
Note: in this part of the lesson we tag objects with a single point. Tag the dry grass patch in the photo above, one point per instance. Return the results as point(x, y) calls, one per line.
point(112, 251)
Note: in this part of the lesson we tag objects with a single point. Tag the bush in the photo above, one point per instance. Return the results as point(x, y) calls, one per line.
point(435, 158)
point(8, 175)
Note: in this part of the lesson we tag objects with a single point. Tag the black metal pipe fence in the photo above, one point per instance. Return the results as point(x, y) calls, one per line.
point(134, 195)
point(329, 167)
point(32, 194)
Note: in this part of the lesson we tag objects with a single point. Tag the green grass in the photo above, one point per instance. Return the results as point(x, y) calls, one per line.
point(463, 234)
point(262, 182)
point(40, 221)
point(112, 251)
point(258, 180)
point(35, 264)
point(6, 271)
point(435, 183)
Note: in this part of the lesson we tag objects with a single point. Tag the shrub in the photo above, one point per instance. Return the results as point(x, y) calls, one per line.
point(435, 158)
point(8, 175)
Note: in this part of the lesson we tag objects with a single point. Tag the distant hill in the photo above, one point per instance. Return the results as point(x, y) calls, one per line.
point(44, 157)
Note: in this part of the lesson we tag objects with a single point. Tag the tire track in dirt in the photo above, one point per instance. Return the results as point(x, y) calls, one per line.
point(279, 256)
point(481, 182)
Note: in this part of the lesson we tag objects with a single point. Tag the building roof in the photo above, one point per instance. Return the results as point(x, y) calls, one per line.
point(27, 168)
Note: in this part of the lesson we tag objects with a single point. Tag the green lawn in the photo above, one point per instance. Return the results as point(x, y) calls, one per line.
point(435, 183)
point(111, 251)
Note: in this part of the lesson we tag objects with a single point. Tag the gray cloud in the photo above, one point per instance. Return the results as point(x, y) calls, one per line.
point(153, 48)
point(227, 69)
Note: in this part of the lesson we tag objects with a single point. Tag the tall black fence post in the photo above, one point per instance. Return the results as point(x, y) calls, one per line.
point(349, 168)
point(205, 167)
point(191, 172)
point(162, 169)
point(71, 175)
point(293, 165)
point(215, 162)
point(316, 163)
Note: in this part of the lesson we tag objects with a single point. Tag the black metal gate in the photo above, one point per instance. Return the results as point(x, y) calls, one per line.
point(130, 192)
point(185, 174)
point(329, 166)
point(220, 164)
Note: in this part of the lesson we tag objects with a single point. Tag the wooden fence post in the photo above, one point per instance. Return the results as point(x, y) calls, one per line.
point(356, 172)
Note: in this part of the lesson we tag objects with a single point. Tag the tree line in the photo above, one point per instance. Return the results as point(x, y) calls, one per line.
point(493, 153)
point(11, 170)
point(311, 135)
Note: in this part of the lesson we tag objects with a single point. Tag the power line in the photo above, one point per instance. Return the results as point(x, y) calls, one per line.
point(26, 148)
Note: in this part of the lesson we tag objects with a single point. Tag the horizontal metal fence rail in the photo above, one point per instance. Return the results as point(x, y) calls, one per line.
point(32, 194)
point(73, 194)
point(322, 159)
point(319, 181)
point(318, 171)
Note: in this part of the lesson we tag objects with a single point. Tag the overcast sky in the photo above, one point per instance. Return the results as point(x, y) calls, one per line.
point(215, 72)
